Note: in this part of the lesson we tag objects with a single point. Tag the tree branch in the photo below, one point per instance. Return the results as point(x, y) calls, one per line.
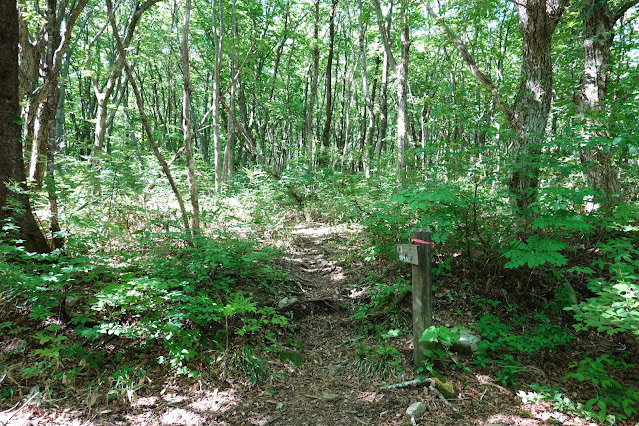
point(145, 123)
point(623, 9)
point(474, 68)
point(384, 34)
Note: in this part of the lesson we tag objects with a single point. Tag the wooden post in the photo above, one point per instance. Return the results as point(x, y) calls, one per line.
point(422, 302)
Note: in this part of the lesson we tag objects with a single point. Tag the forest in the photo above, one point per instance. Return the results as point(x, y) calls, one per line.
point(202, 203)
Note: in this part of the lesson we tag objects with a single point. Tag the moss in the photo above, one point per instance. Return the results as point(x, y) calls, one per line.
point(446, 388)
point(292, 357)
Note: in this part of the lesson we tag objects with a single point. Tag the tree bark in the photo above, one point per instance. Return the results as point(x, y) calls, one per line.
point(366, 138)
point(186, 121)
point(401, 77)
point(383, 108)
point(218, 41)
point(14, 199)
point(308, 122)
point(538, 20)
point(329, 88)
point(402, 96)
point(598, 23)
point(53, 44)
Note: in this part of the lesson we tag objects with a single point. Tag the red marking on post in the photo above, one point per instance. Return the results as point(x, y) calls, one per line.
point(415, 240)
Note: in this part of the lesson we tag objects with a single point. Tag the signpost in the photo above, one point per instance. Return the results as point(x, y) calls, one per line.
point(419, 255)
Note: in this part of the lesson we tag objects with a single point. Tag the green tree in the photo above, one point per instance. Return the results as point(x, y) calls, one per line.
point(16, 216)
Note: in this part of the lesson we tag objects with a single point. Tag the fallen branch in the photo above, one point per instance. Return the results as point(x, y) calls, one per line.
point(322, 300)
point(273, 420)
point(313, 396)
point(414, 382)
point(33, 395)
point(397, 299)
point(443, 398)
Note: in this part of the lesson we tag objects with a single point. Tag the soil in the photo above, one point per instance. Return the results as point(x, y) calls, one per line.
point(338, 382)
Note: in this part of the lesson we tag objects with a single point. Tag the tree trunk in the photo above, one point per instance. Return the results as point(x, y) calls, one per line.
point(186, 121)
point(601, 173)
point(60, 115)
point(383, 108)
point(329, 88)
point(538, 20)
point(401, 72)
point(14, 198)
point(401, 77)
point(103, 96)
point(56, 235)
point(308, 124)
point(366, 138)
point(145, 123)
point(55, 44)
point(218, 40)
point(37, 160)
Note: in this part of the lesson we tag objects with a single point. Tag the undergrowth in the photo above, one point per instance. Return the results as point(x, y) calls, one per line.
point(173, 302)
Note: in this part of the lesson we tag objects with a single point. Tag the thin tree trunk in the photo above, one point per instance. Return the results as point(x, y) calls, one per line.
point(56, 234)
point(383, 108)
point(145, 122)
point(205, 134)
point(308, 125)
point(366, 138)
point(60, 111)
point(401, 77)
point(186, 121)
point(103, 96)
point(402, 95)
point(218, 40)
point(329, 90)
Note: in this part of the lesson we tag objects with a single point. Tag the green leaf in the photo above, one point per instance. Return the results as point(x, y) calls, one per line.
point(430, 335)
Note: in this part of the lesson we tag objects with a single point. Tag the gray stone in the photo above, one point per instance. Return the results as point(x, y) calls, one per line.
point(468, 343)
point(331, 397)
point(279, 406)
point(287, 301)
point(336, 370)
point(71, 301)
point(416, 409)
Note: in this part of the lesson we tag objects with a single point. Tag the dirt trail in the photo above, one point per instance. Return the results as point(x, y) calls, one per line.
point(328, 389)
point(325, 389)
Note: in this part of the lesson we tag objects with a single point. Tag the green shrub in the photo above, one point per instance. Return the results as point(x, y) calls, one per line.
point(499, 341)
point(615, 308)
point(440, 339)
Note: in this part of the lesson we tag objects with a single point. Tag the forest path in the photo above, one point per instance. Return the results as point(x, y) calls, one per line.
point(326, 388)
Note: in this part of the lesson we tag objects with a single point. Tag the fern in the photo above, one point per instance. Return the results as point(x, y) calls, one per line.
point(565, 220)
point(536, 251)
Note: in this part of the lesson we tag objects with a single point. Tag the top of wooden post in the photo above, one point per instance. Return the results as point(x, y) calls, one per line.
point(420, 233)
